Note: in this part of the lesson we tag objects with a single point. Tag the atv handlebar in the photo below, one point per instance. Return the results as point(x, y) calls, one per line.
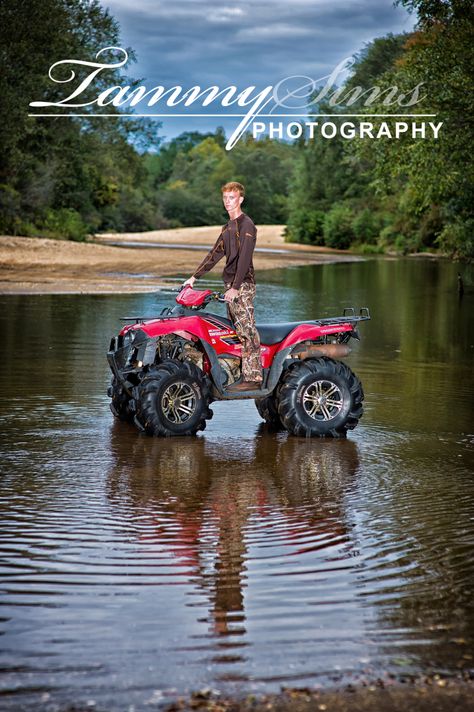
point(213, 296)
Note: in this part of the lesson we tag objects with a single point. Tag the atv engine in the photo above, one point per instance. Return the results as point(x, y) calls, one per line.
point(231, 368)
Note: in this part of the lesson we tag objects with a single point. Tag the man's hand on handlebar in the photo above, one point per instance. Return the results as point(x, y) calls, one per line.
point(229, 296)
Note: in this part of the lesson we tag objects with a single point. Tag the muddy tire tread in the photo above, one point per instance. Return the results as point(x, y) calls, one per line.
point(120, 402)
point(290, 382)
point(146, 392)
point(268, 409)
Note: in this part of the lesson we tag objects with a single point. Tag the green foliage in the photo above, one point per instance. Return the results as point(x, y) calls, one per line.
point(324, 174)
point(457, 238)
point(337, 227)
point(436, 11)
point(367, 249)
point(191, 194)
point(374, 60)
point(404, 194)
point(392, 239)
point(265, 167)
point(366, 226)
point(185, 207)
point(307, 227)
point(71, 176)
point(433, 179)
point(64, 223)
point(64, 177)
point(10, 202)
point(160, 165)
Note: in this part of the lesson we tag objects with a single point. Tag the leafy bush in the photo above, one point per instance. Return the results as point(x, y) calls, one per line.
point(307, 227)
point(182, 206)
point(390, 236)
point(431, 225)
point(457, 239)
point(337, 227)
point(395, 238)
point(369, 249)
point(10, 202)
point(366, 226)
point(63, 224)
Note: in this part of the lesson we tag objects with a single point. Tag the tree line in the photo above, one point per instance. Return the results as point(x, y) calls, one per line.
point(401, 194)
point(69, 177)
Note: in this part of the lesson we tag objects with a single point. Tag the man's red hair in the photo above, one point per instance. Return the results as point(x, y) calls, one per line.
point(233, 186)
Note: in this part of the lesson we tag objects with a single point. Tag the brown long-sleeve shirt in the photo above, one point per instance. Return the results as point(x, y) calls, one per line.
point(237, 243)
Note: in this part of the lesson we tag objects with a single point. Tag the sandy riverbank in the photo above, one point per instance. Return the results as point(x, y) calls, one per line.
point(31, 265)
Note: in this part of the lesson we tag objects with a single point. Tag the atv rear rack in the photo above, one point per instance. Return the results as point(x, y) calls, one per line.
point(349, 314)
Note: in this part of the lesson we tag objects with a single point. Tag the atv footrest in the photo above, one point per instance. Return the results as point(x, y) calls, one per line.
point(237, 395)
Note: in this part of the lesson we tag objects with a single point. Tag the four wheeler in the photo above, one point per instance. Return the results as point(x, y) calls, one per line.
point(167, 370)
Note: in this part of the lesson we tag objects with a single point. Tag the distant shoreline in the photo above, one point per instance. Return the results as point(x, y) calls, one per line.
point(30, 265)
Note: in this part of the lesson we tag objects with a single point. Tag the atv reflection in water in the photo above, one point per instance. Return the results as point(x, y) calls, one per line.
point(175, 497)
point(168, 370)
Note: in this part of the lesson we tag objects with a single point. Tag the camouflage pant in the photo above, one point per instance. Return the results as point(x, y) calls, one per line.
point(241, 313)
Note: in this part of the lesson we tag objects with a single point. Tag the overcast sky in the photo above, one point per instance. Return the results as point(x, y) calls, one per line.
point(192, 42)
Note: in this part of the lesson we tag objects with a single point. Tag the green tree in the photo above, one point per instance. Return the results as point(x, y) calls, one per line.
point(325, 173)
point(372, 61)
point(337, 227)
point(265, 167)
point(433, 179)
point(197, 165)
point(192, 194)
point(60, 176)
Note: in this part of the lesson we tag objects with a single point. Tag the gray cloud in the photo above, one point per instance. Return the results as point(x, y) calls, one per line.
point(192, 42)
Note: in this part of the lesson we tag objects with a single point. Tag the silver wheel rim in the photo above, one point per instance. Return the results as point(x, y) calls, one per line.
point(322, 400)
point(178, 402)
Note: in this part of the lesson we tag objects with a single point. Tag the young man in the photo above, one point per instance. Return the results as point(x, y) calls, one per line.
point(237, 242)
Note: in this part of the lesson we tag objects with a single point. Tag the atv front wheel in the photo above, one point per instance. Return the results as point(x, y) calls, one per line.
point(173, 399)
point(268, 410)
point(320, 397)
point(120, 404)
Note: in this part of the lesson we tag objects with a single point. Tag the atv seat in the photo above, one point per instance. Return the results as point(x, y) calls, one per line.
point(273, 333)
point(269, 333)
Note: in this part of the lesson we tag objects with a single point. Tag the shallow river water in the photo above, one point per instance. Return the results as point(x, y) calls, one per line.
point(136, 569)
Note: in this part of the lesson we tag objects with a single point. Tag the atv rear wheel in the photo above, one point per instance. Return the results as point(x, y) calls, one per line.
point(173, 399)
point(268, 410)
point(120, 405)
point(320, 397)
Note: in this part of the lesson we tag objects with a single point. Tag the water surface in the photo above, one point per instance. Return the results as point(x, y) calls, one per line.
point(135, 569)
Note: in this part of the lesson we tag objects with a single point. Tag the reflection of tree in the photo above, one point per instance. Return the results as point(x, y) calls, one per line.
point(193, 501)
point(417, 345)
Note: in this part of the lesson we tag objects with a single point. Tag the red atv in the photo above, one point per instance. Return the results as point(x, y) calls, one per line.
point(168, 369)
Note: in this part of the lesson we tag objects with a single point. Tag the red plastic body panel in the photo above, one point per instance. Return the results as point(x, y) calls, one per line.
point(224, 340)
point(310, 332)
point(221, 338)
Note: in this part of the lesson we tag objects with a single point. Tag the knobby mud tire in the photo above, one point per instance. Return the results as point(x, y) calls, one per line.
point(151, 398)
point(303, 383)
point(268, 410)
point(120, 404)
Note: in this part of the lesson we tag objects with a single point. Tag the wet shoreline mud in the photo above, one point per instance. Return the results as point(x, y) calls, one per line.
point(451, 697)
point(425, 694)
point(30, 265)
